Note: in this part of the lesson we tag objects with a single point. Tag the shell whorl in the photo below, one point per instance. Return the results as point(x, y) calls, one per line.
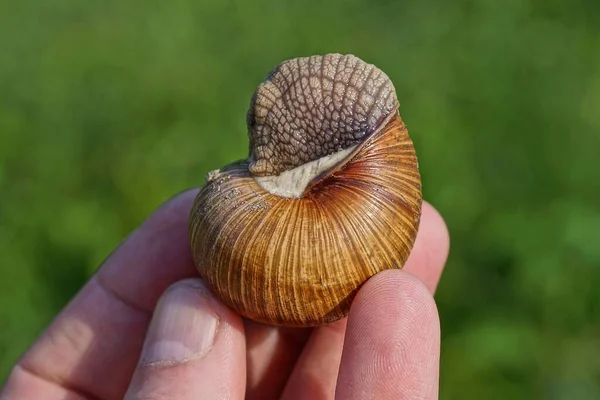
point(311, 107)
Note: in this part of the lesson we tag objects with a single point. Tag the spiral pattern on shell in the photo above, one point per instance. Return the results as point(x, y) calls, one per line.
point(299, 261)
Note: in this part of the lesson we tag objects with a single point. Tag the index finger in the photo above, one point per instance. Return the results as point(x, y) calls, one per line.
point(101, 332)
point(392, 344)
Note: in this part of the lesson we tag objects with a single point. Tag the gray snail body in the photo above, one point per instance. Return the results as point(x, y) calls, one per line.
point(329, 196)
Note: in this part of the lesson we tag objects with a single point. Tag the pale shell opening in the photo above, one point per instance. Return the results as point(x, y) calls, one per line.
point(293, 183)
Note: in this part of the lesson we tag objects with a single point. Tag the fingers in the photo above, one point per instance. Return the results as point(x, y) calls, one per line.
point(315, 374)
point(316, 371)
point(429, 254)
point(101, 332)
point(392, 342)
point(106, 322)
point(272, 353)
point(195, 349)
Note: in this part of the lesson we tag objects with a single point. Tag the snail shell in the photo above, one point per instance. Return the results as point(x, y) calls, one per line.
point(329, 196)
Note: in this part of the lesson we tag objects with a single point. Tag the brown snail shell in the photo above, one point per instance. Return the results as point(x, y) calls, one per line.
point(329, 196)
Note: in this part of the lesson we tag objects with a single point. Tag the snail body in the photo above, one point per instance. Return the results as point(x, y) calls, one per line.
point(329, 196)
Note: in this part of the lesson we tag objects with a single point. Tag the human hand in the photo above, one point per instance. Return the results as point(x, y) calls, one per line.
point(145, 327)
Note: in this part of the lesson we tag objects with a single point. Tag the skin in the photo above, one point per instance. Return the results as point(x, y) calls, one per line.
point(387, 348)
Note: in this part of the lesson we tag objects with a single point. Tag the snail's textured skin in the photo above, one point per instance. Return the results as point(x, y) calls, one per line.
point(299, 261)
point(311, 107)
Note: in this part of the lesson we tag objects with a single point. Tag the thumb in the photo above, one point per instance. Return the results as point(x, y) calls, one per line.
point(194, 348)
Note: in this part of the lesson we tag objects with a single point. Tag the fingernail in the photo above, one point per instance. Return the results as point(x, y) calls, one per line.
point(183, 328)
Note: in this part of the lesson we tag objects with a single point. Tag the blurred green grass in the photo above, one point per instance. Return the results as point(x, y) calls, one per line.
point(109, 108)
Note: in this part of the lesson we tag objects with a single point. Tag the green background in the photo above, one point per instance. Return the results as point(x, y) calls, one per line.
point(108, 108)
